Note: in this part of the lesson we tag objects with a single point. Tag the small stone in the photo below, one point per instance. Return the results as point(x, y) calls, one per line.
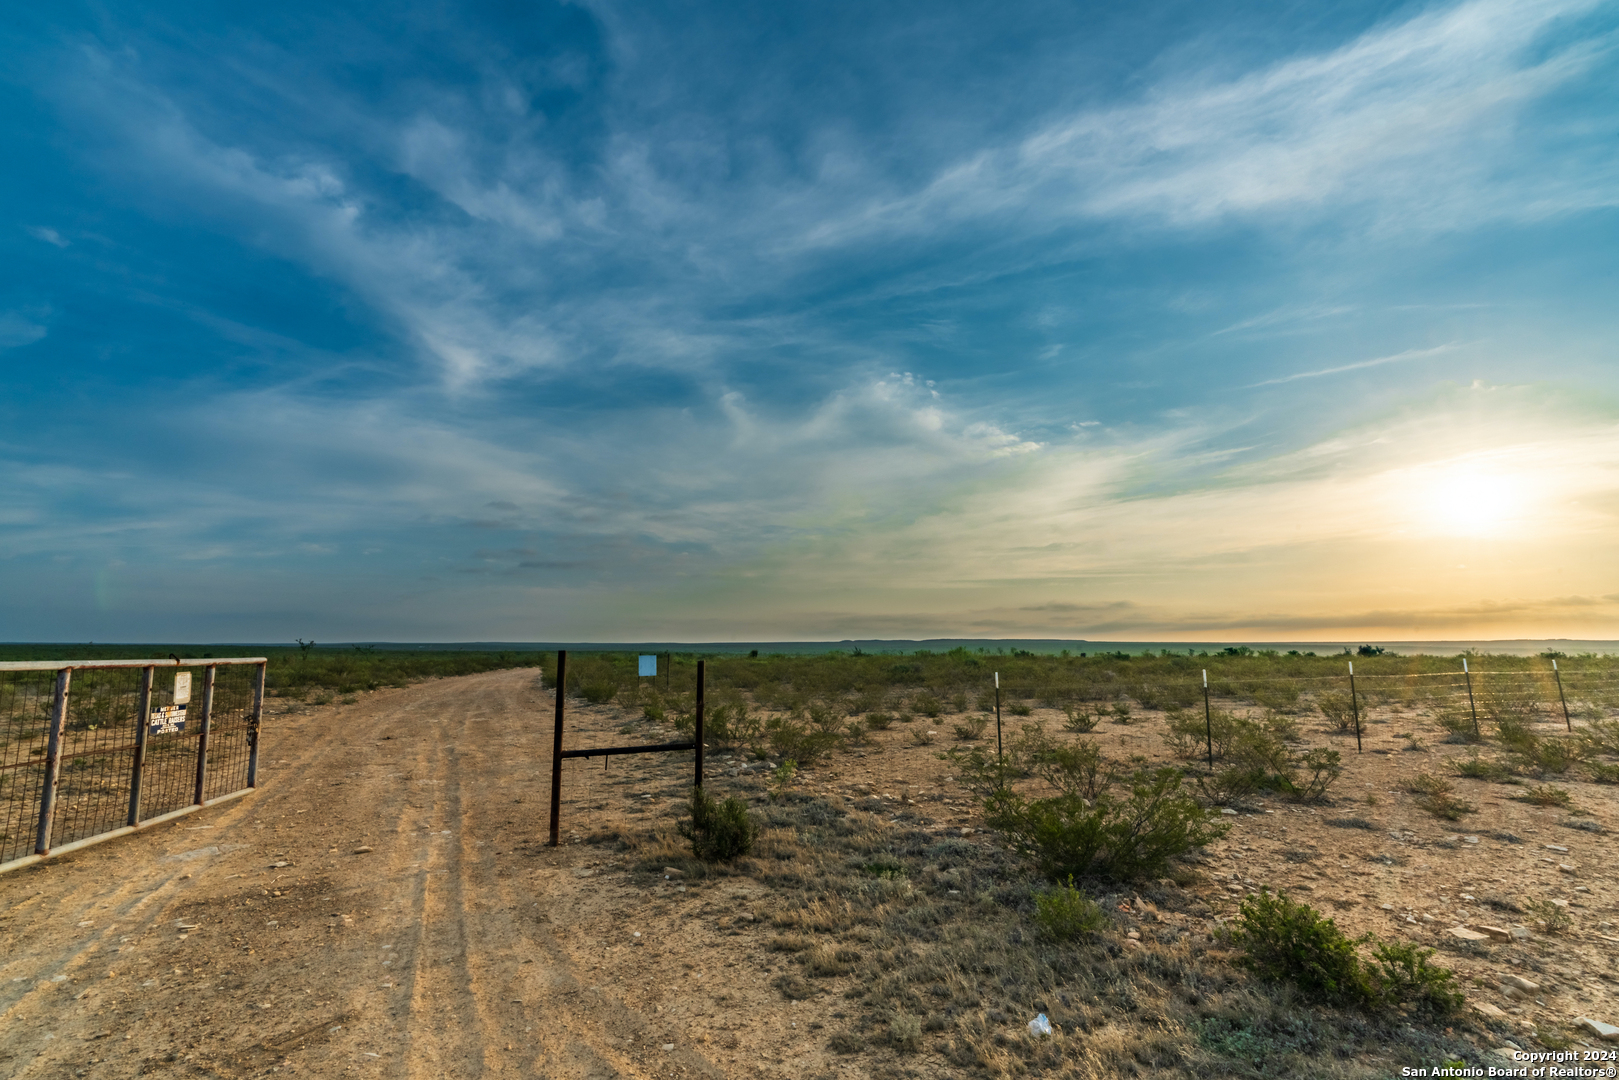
point(1519, 933)
point(1557, 847)
point(1559, 902)
point(1526, 985)
point(1228, 811)
point(1462, 933)
point(673, 872)
point(745, 916)
point(1566, 868)
point(1484, 1008)
point(365, 849)
point(1596, 1027)
point(1499, 933)
point(1512, 993)
point(668, 1046)
point(1132, 943)
point(1386, 907)
point(1470, 840)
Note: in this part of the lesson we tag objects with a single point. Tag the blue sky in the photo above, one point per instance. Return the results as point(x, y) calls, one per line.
point(700, 322)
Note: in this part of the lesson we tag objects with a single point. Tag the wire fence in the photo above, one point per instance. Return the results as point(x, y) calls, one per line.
point(90, 750)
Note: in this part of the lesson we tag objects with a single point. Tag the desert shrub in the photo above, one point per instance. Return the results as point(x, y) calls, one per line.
point(830, 960)
point(1460, 725)
point(1602, 774)
point(1121, 712)
point(958, 701)
point(598, 691)
point(1547, 795)
point(825, 718)
point(1339, 710)
point(923, 738)
point(928, 705)
point(790, 739)
point(1405, 975)
point(1324, 766)
point(1287, 941)
point(1514, 733)
point(1553, 755)
point(972, 728)
point(855, 732)
point(1071, 768)
point(1064, 913)
point(1601, 737)
point(879, 721)
point(1018, 708)
point(1552, 918)
point(1278, 696)
point(719, 831)
point(1111, 836)
point(1477, 768)
point(653, 711)
point(905, 1032)
point(1080, 720)
point(1436, 795)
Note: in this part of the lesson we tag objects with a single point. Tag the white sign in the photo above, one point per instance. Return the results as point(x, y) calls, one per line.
point(168, 720)
point(182, 687)
point(649, 665)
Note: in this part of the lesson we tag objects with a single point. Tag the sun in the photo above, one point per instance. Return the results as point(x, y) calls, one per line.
point(1468, 499)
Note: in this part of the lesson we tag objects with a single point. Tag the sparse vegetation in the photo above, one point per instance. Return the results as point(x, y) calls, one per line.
point(1065, 913)
point(719, 831)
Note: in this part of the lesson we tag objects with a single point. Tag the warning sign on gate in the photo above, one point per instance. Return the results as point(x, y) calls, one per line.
point(168, 720)
point(649, 665)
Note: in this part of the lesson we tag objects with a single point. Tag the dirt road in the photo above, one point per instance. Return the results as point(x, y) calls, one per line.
point(383, 905)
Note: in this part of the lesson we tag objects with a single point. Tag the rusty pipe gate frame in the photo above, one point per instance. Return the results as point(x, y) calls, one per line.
point(557, 753)
point(58, 729)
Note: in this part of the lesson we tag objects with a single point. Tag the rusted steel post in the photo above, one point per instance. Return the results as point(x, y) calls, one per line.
point(1470, 703)
point(698, 738)
point(53, 762)
point(143, 723)
point(253, 725)
point(1208, 717)
point(556, 750)
point(202, 733)
point(1566, 721)
point(1354, 705)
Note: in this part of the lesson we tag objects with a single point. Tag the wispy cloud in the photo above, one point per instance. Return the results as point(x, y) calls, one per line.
point(1416, 119)
point(1396, 358)
point(50, 236)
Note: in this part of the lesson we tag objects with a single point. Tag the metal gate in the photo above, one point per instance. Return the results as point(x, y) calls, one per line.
point(95, 749)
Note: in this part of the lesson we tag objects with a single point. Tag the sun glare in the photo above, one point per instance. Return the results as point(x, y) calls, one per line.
point(1468, 500)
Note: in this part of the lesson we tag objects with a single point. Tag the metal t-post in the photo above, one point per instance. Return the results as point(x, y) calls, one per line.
point(698, 735)
point(1354, 705)
point(1000, 753)
point(1208, 718)
point(1566, 721)
point(556, 749)
point(1470, 703)
point(254, 724)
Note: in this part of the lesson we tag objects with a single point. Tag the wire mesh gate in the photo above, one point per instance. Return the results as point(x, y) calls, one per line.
point(94, 749)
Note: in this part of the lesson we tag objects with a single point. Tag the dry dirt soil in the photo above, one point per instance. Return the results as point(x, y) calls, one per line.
point(386, 905)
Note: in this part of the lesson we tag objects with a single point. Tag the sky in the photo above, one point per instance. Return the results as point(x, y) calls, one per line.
point(701, 322)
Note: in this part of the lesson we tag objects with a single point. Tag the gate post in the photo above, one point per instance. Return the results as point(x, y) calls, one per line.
point(253, 726)
point(556, 749)
point(53, 762)
point(699, 733)
point(202, 736)
point(143, 723)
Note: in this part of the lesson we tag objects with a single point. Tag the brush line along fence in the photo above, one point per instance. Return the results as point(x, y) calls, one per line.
point(91, 750)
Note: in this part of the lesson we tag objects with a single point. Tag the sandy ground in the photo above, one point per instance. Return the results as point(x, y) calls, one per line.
point(385, 904)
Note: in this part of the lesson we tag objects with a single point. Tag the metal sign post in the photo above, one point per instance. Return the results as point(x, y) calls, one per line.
point(1208, 717)
point(1354, 705)
point(1566, 721)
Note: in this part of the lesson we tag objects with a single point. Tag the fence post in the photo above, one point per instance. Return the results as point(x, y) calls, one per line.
point(53, 762)
point(253, 726)
point(1354, 704)
point(143, 724)
point(1566, 721)
point(556, 749)
point(207, 724)
point(1000, 754)
point(1208, 717)
point(1470, 704)
point(699, 723)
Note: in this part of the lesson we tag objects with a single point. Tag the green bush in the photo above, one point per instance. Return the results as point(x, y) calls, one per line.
point(1434, 794)
point(1339, 709)
point(1547, 795)
point(1109, 836)
point(972, 728)
point(1064, 913)
point(719, 831)
point(928, 705)
point(1080, 720)
point(1283, 940)
point(1072, 768)
point(879, 721)
point(793, 740)
point(1477, 768)
point(1405, 976)
point(598, 692)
